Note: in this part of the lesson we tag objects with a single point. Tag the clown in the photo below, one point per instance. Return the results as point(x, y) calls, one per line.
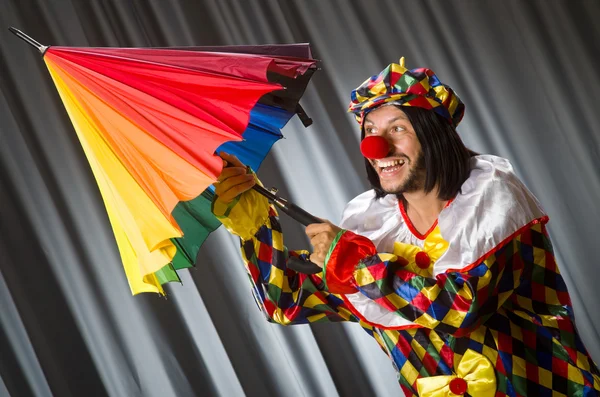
point(446, 262)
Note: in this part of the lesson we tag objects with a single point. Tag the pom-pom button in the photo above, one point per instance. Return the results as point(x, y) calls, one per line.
point(423, 260)
point(458, 386)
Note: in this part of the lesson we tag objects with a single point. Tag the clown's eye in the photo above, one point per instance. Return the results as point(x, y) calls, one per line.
point(398, 129)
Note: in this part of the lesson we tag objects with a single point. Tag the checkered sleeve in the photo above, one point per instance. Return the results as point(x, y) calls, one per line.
point(455, 302)
point(283, 295)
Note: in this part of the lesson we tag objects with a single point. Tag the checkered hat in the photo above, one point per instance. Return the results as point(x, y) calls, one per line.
point(400, 86)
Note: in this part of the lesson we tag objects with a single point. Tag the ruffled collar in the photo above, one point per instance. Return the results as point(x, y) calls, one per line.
point(492, 205)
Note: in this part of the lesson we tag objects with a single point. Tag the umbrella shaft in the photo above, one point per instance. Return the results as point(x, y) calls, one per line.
point(295, 263)
point(292, 210)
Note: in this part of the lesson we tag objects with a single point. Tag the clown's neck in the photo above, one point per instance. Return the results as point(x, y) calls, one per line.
point(423, 209)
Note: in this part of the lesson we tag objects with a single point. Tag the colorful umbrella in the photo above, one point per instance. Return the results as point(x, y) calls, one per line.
point(150, 121)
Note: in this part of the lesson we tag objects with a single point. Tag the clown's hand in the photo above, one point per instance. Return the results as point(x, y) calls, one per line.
point(239, 208)
point(321, 237)
point(234, 179)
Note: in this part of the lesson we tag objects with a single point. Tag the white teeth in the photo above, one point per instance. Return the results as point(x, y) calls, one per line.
point(384, 164)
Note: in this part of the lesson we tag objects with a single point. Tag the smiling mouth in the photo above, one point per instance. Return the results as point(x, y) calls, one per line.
point(388, 167)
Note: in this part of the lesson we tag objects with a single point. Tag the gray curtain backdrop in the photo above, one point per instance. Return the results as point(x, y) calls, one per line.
point(527, 71)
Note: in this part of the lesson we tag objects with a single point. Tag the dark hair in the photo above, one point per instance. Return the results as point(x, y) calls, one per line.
point(445, 155)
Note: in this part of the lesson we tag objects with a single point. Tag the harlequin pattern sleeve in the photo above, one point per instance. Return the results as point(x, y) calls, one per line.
point(285, 296)
point(454, 302)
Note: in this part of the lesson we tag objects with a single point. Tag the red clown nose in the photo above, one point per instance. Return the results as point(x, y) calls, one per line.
point(374, 147)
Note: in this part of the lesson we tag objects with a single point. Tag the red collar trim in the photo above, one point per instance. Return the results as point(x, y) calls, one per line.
point(410, 225)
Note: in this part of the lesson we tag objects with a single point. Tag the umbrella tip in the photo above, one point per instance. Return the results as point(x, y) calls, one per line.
point(41, 48)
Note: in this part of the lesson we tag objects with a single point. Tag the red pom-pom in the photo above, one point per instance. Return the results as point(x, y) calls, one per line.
point(422, 260)
point(374, 147)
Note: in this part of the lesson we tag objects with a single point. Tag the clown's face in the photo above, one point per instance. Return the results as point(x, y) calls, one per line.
point(403, 169)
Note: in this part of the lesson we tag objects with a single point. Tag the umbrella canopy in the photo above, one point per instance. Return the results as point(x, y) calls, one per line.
point(150, 121)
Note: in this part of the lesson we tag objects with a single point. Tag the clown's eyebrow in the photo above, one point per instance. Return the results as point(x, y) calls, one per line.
point(402, 117)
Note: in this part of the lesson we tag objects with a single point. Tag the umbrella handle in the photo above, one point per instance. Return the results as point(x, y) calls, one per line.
point(304, 266)
point(300, 215)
